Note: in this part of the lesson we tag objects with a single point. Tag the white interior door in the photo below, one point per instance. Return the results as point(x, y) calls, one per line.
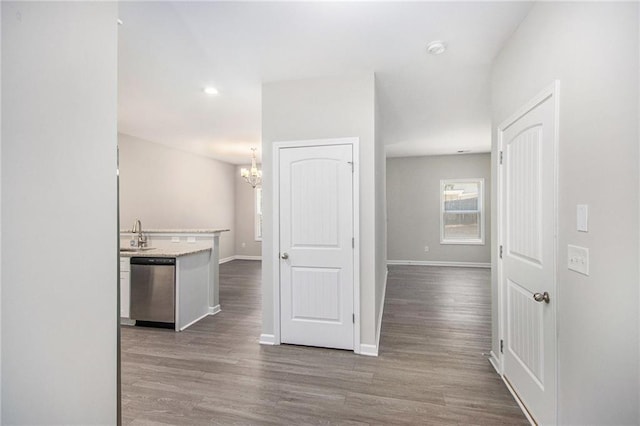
point(316, 231)
point(528, 238)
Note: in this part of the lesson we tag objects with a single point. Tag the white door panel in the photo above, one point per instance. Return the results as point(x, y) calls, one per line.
point(528, 229)
point(316, 230)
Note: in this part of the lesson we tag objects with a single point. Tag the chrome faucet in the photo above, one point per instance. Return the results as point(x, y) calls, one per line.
point(141, 240)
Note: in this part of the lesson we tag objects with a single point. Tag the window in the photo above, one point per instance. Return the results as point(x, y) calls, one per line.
point(258, 215)
point(461, 211)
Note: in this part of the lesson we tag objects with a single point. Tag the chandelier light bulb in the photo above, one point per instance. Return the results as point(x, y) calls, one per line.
point(252, 176)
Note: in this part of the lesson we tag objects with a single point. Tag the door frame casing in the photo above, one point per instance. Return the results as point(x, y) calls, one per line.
point(277, 146)
point(552, 91)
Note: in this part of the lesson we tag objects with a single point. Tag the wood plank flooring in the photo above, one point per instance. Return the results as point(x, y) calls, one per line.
point(431, 369)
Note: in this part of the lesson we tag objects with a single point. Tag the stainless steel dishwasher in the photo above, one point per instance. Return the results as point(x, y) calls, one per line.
point(153, 289)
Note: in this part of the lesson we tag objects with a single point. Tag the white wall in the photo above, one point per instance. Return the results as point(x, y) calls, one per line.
point(592, 48)
point(171, 189)
point(380, 218)
point(318, 109)
point(59, 239)
point(413, 194)
point(245, 217)
point(0, 219)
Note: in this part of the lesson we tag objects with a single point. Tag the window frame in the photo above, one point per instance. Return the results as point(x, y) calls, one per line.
point(257, 213)
point(480, 212)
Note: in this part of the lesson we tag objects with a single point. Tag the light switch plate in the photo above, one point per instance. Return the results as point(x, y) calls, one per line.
point(582, 219)
point(578, 259)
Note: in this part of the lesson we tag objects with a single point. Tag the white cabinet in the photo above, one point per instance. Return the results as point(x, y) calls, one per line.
point(125, 271)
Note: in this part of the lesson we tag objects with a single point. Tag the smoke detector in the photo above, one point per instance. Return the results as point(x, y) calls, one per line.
point(210, 90)
point(436, 47)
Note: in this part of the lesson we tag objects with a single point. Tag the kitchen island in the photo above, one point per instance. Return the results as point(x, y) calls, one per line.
point(196, 254)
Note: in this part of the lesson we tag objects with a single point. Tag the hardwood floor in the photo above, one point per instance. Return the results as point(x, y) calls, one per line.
point(431, 369)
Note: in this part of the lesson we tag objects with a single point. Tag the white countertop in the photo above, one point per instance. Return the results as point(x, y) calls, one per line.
point(174, 250)
point(176, 231)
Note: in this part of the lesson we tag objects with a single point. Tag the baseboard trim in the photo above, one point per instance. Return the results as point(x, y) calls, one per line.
point(127, 321)
point(440, 263)
point(495, 362)
point(267, 339)
point(238, 257)
point(214, 310)
point(520, 404)
point(242, 257)
point(372, 350)
point(384, 296)
point(194, 321)
point(368, 350)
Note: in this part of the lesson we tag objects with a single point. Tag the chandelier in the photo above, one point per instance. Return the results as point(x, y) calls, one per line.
point(253, 176)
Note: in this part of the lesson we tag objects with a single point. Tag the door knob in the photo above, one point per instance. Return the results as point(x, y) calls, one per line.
point(284, 256)
point(541, 297)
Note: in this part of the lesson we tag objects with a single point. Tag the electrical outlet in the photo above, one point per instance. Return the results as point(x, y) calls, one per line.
point(426, 249)
point(175, 239)
point(191, 239)
point(243, 245)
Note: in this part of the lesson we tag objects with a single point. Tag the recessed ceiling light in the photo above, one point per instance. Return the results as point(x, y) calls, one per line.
point(436, 47)
point(210, 90)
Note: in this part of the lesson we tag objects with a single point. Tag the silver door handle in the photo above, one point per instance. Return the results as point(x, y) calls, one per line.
point(541, 297)
point(284, 256)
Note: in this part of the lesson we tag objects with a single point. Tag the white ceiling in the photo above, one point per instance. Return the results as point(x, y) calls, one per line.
point(168, 52)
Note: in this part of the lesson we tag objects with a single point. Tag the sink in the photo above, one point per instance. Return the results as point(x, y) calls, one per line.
point(136, 249)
